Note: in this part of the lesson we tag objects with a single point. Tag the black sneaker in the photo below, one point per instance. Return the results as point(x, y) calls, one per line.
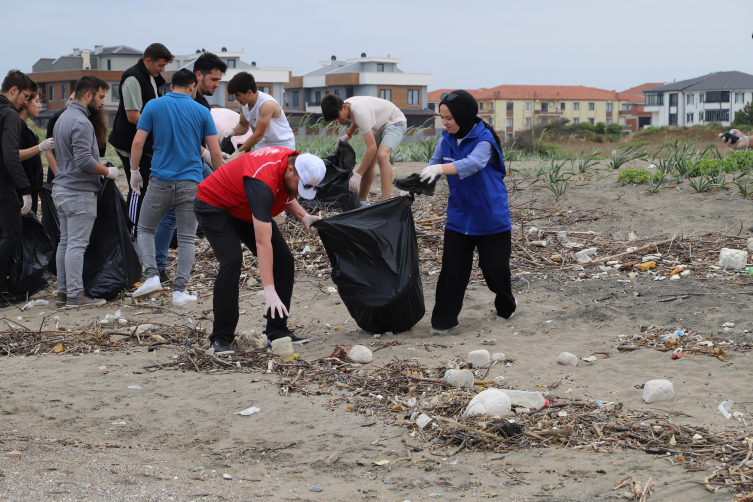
point(282, 333)
point(219, 348)
point(414, 184)
point(164, 278)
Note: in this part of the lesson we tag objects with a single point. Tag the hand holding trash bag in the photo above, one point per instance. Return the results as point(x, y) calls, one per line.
point(136, 181)
point(113, 174)
point(344, 138)
point(355, 182)
point(429, 173)
point(26, 208)
point(307, 221)
point(274, 303)
point(48, 144)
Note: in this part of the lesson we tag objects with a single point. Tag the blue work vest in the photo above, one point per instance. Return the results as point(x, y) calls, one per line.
point(478, 203)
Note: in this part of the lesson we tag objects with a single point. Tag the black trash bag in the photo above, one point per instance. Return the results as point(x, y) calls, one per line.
point(29, 262)
point(110, 262)
point(374, 257)
point(50, 222)
point(227, 146)
point(333, 190)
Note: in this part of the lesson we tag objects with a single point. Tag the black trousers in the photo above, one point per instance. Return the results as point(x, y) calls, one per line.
point(134, 200)
point(457, 264)
point(10, 230)
point(225, 233)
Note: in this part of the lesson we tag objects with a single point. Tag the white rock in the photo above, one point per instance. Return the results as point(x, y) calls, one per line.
point(423, 420)
point(498, 356)
point(735, 259)
point(479, 358)
point(566, 358)
point(728, 325)
point(491, 402)
point(489, 341)
point(749, 245)
point(122, 321)
point(248, 341)
point(360, 354)
point(142, 328)
point(658, 390)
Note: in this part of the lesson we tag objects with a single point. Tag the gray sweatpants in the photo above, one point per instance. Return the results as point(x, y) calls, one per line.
point(77, 211)
point(161, 196)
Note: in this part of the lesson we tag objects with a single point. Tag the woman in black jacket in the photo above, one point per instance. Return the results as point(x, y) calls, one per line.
point(31, 148)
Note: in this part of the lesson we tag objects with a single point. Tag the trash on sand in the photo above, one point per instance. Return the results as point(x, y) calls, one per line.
point(584, 256)
point(248, 411)
point(283, 347)
point(531, 400)
point(58, 349)
point(492, 402)
point(134, 387)
point(589, 359)
point(315, 489)
point(646, 265)
point(380, 462)
point(423, 420)
point(332, 458)
point(728, 325)
point(677, 354)
point(725, 409)
point(14, 454)
point(227, 476)
point(735, 259)
point(479, 358)
point(459, 378)
point(540, 244)
point(34, 303)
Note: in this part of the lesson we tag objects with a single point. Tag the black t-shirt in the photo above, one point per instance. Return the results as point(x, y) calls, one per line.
point(32, 166)
point(50, 129)
point(203, 102)
point(260, 198)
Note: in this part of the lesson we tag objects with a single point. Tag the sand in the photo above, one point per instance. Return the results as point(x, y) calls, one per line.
point(124, 433)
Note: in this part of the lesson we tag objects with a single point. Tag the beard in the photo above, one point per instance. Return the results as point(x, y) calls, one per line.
point(97, 118)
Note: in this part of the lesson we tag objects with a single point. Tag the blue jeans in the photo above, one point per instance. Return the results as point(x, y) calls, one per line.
point(166, 229)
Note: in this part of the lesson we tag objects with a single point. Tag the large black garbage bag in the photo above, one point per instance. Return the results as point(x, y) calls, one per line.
point(29, 262)
point(333, 190)
point(110, 262)
point(374, 257)
point(50, 222)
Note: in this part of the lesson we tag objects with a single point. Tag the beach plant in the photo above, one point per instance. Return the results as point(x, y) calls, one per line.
point(634, 176)
point(625, 154)
point(700, 184)
point(588, 162)
point(744, 186)
point(655, 182)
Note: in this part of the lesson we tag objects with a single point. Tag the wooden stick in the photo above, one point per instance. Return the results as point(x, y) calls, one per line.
point(642, 248)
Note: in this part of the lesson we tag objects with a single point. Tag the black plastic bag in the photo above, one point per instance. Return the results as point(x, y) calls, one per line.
point(374, 257)
point(227, 146)
point(50, 222)
point(29, 262)
point(333, 190)
point(111, 262)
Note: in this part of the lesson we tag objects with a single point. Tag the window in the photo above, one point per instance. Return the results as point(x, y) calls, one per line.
point(63, 92)
point(296, 98)
point(231, 63)
point(348, 92)
point(717, 97)
point(529, 105)
point(51, 94)
point(673, 119)
point(491, 121)
point(508, 122)
point(528, 122)
point(337, 92)
point(576, 106)
point(508, 137)
point(413, 98)
point(116, 92)
point(739, 97)
point(716, 115)
point(576, 120)
point(689, 99)
point(263, 88)
point(610, 121)
point(481, 106)
point(317, 98)
point(591, 121)
point(702, 98)
point(657, 99)
point(109, 64)
point(491, 105)
point(544, 121)
point(591, 107)
point(509, 106)
point(231, 98)
point(610, 106)
point(385, 94)
point(544, 107)
point(673, 99)
point(689, 118)
point(625, 107)
point(562, 106)
point(624, 121)
point(380, 67)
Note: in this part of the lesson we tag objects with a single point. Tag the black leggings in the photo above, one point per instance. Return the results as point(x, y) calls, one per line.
point(457, 263)
point(10, 231)
point(225, 233)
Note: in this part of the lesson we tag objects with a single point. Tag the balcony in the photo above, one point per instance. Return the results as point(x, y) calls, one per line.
point(548, 113)
point(486, 113)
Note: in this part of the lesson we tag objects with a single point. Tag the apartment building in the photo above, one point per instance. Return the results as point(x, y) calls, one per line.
point(365, 76)
point(632, 114)
point(57, 76)
point(715, 97)
point(268, 79)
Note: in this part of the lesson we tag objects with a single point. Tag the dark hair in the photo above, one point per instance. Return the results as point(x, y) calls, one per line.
point(16, 78)
point(99, 121)
point(33, 88)
point(89, 83)
point(184, 78)
point(155, 52)
point(241, 84)
point(208, 62)
point(331, 106)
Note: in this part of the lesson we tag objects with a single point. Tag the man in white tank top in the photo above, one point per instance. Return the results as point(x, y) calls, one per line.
point(260, 112)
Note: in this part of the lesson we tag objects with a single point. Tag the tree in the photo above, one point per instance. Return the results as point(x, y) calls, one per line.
point(601, 128)
point(744, 118)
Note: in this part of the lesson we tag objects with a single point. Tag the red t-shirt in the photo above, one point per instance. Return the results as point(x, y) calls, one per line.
point(224, 187)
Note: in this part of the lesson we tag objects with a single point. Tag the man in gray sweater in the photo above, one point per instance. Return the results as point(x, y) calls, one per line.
point(76, 186)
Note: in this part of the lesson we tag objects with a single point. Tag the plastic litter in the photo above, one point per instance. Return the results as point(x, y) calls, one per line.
point(333, 190)
point(532, 400)
point(374, 257)
point(735, 259)
point(283, 347)
point(725, 409)
point(459, 378)
point(30, 260)
point(34, 303)
point(248, 411)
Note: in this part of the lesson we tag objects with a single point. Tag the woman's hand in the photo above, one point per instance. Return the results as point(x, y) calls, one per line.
point(429, 173)
point(48, 144)
point(741, 144)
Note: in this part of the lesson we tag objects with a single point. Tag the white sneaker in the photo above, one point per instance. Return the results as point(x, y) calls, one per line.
point(148, 288)
point(435, 331)
point(180, 298)
point(500, 318)
point(365, 203)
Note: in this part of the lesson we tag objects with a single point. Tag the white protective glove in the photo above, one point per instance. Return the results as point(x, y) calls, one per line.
point(47, 144)
point(225, 156)
point(206, 156)
point(429, 173)
point(113, 174)
point(26, 208)
point(741, 144)
point(344, 138)
point(307, 221)
point(229, 133)
point(355, 182)
point(136, 181)
point(274, 303)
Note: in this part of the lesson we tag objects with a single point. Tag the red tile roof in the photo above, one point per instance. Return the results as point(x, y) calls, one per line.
point(635, 94)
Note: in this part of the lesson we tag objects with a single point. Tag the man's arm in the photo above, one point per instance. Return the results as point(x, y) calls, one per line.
point(265, 116)
point(214, 149)
point(243, 126)
point(371, 151)
point(52, 161)
point(132, 102)
point(10, 142)
point(137, 148)
point(352, 129)
point(133, 116)
point(82, 153)
point(263, 232)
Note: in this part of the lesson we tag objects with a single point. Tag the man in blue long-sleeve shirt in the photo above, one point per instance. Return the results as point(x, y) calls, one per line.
point(76, 186)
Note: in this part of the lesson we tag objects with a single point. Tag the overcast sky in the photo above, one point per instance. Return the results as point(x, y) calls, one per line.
point(464, 44)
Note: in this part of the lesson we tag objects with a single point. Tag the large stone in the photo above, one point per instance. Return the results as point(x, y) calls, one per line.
point(568, 359)
point(360, 354)
point(479, 358)
point(248, 341)
point(490, 402)
point(658, 390)
point(498, 356)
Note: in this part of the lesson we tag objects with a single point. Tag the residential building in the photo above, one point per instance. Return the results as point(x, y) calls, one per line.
point(632, 115)
point(715, 97)
point(365, 76)
point(57, 76)
point(268, 79)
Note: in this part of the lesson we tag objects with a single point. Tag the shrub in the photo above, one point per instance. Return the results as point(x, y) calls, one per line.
point(647, 130)
point(614, 129)
point(634, 176)
point(600, 127)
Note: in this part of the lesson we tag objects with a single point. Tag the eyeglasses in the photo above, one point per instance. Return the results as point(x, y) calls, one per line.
point(311, 187)
point(28, 96)
point(447, 96)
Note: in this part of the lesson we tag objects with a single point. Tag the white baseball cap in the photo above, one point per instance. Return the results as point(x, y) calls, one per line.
point(311, 172)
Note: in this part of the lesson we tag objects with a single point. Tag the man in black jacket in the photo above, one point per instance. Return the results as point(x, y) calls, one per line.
point(138, 86)
point(14, 94)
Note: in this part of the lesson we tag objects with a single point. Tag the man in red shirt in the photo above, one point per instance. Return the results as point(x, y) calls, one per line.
point(237, 203)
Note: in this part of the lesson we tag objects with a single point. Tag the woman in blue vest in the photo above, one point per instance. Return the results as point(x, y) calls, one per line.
point(478, 215)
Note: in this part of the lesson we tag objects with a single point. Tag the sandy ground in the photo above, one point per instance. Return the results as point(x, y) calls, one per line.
point(124, 433)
